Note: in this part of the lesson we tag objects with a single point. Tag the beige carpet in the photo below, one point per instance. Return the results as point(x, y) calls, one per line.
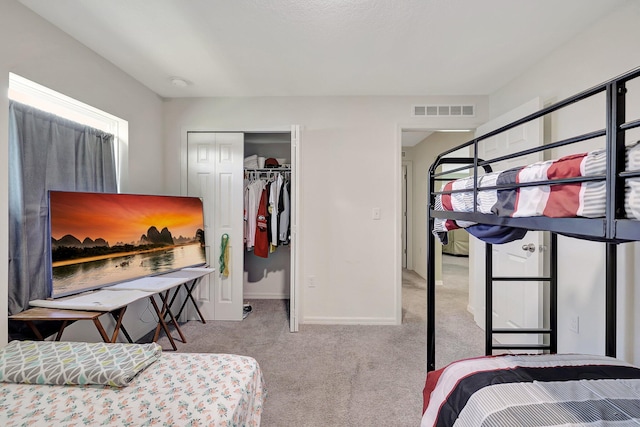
point(346, 375)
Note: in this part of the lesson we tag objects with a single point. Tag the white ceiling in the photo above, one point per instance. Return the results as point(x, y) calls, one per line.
point(323, 47)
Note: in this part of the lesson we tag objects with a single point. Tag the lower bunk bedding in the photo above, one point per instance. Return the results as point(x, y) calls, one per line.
point(74, 384)
point(585, 199)
point(533, 390)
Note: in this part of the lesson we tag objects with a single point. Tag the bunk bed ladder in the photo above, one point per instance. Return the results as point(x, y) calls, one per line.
point(551, 344)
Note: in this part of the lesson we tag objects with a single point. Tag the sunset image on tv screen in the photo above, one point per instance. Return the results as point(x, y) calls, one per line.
point(101, 238)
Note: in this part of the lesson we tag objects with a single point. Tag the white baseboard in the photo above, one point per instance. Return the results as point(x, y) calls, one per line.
point(470, 309)
point(260, 295)
point(348, 321)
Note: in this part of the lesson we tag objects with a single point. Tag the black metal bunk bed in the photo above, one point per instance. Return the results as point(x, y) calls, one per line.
point(612, 229)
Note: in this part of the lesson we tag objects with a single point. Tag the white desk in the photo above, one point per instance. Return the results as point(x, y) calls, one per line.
point(162, 285)
point(192, 275)
point(83, 306)
point(115, 299)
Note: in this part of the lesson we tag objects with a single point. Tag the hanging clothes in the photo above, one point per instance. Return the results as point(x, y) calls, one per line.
point(268, 216)
point(284, 213)
point(267, 210)
point(245, 218)
point(261, 247)
point(274, 197)
point(255, 192)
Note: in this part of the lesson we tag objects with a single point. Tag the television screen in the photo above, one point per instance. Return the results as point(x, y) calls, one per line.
point(99, 239)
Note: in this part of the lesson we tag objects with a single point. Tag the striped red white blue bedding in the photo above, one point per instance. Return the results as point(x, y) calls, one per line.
point(586, 199)
point(533, 390)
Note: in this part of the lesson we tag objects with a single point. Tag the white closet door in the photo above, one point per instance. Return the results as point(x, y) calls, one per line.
point(215, 173)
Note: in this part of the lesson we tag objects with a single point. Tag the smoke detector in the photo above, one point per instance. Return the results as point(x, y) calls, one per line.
point(178, 82)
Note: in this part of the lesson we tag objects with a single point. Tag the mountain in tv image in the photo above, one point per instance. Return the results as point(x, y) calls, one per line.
point(70, 247)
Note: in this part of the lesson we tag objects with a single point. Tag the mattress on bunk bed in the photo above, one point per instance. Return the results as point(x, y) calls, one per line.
point(177, 389)
point(586, 199)
point(531, 390)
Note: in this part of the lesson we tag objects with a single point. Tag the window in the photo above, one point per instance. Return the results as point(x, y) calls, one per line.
point(28, 92)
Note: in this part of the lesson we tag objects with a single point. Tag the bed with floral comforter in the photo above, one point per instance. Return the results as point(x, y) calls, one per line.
point(177, 389)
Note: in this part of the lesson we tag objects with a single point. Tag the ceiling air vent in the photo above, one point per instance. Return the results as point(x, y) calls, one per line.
point(443, 111)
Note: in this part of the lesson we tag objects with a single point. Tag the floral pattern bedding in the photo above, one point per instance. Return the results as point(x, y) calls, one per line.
point(179, 389)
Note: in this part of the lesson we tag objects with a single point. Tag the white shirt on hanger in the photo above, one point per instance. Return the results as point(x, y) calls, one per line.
point(274, 196)
point(283, 235)
point(255, 191)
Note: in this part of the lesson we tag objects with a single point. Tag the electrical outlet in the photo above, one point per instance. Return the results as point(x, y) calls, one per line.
point(574, 324)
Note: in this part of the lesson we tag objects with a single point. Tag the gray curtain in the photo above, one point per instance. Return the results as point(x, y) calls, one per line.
point(46, 153)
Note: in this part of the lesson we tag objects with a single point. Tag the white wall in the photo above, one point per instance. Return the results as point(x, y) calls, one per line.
point(350, 163)
point(33, 48)
point(607, 49)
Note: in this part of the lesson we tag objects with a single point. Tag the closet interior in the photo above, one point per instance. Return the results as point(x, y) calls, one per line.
point(267, 263)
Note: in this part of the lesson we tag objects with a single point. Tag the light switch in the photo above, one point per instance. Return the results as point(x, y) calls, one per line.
point(375, 214)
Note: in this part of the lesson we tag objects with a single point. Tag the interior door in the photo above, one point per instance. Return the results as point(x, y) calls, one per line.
point(404, 216)
point(515, 304)
point(215, 173)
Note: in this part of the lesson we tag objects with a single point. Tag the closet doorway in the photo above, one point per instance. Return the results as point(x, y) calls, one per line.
point(214, 169)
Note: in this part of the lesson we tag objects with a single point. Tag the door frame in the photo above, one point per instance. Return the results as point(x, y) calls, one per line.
point(294, 130)
point(407, 165)
point(457, 126)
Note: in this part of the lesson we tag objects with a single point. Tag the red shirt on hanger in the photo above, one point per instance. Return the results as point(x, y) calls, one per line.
point(261, 247)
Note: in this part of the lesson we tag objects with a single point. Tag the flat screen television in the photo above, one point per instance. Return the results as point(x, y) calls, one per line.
point(100, 239)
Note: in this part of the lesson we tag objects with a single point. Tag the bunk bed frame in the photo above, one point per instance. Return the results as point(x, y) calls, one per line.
point(612, 229)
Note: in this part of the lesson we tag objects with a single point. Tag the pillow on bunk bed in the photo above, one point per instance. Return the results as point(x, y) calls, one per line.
point(632, 193)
